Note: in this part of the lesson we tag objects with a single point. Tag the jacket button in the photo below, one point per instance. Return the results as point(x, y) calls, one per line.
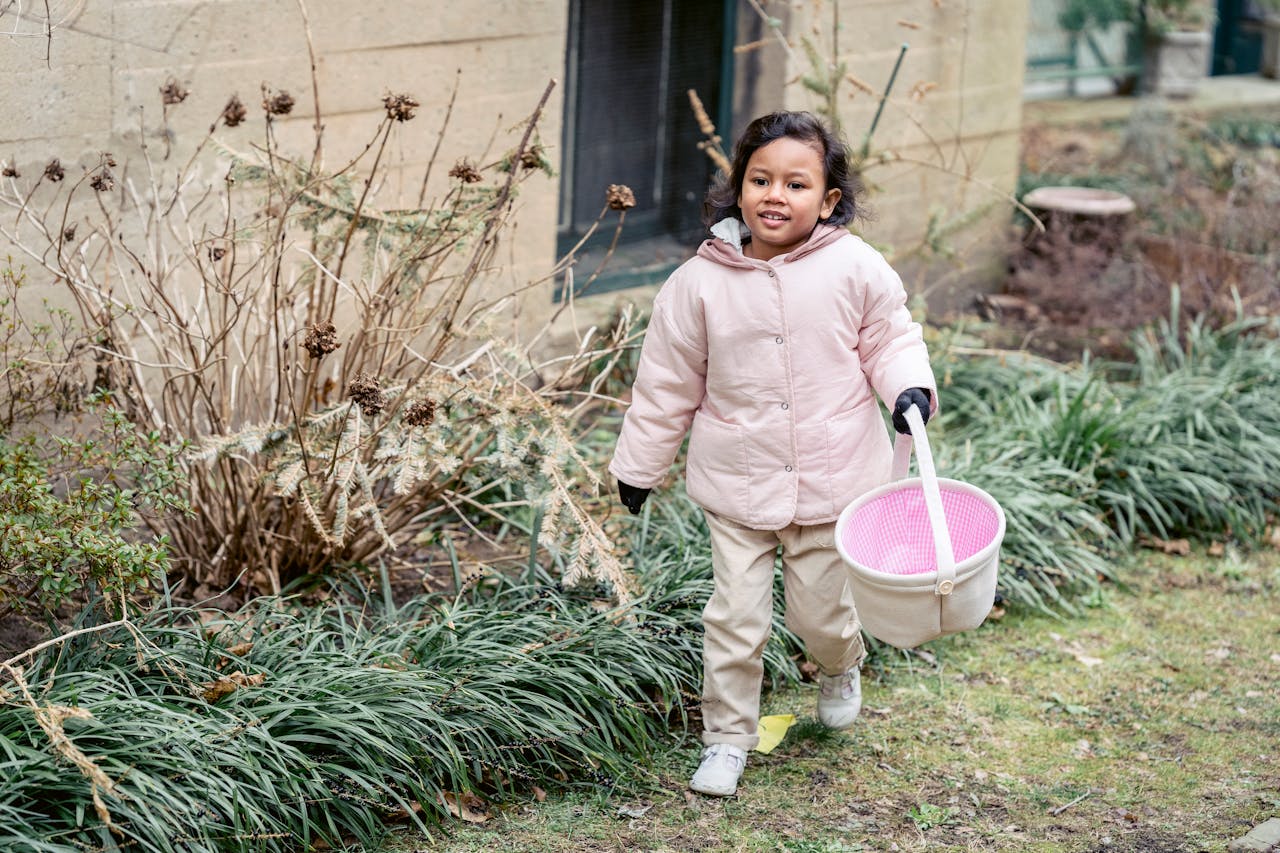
point(778, 339)
point(788, 467)
point(786, 405)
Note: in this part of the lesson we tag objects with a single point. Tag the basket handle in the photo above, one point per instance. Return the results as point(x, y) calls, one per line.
point(902, 446)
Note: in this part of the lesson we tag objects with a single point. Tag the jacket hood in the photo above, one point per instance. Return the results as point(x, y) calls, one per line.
point(725, 247)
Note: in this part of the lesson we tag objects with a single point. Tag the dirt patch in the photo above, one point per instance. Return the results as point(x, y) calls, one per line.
point(17, 634)
point(1204, 203)
point(1143, 841)
point(1092, 284)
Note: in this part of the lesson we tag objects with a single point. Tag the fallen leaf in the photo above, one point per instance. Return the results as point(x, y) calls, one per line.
point(466, 806)
point(1217, 549)
point(240, 649)
point(228, 684)
point(633, 811)
point(1181, 547)
point(996, 614)
point(539, 794)
point(771, 730)
point(403, 813)
point(1077, 651)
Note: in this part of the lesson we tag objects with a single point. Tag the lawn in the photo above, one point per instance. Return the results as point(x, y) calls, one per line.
point(1150, 723)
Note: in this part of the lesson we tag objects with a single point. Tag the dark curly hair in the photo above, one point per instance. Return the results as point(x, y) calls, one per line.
point(722, 198)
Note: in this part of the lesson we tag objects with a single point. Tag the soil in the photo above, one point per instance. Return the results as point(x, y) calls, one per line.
point(1090, 282)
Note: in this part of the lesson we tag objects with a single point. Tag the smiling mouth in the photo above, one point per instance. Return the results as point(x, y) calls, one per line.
point(769, 214)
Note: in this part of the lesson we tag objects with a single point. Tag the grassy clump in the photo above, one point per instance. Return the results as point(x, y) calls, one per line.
point(281, 726)
point(1147, 724)
point(1087, 460)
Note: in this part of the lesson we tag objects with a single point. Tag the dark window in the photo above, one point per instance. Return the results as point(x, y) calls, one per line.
point(627, 121)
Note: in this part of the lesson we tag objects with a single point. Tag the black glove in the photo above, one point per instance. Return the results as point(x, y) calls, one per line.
point(907, 399)
point(632, 497)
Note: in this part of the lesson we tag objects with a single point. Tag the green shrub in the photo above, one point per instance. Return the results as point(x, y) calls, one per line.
point(69, 507)
point(280, 727)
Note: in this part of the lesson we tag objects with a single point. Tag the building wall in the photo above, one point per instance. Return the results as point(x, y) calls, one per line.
point(99, 90)
point(947, 143)
point(946, 146)
point(949, 151)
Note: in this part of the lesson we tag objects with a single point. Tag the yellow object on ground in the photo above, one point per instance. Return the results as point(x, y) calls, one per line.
point(772, 730)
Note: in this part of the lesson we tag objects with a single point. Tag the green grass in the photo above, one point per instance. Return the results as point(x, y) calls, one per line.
point(1151, 723)
point(369, 711)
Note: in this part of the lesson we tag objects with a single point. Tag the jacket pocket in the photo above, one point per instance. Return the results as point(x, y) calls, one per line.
point(859, 455)
point(716, 472)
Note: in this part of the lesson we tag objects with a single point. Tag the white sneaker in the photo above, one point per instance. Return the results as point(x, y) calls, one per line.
point(722, 765)
point(839, 699)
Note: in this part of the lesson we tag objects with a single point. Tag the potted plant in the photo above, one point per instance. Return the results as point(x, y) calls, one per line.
point(1270, 38)
point(1174, 36)
point(1083, 19)
point(1178, 39)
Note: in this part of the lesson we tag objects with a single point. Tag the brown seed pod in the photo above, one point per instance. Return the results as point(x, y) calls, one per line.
point(400, 107)
point(321, 339)
point(234, 113)
point(366, 391)
point(620, 197)
point(173, 92)
point(279, 104)
point(420, 413)
point(465, 171)
point(103, 181)
point(54, 170)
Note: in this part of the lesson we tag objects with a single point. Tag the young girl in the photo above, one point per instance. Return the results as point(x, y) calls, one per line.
point(769, 345)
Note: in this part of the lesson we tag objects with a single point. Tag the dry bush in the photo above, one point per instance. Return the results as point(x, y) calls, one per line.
point(330, 359)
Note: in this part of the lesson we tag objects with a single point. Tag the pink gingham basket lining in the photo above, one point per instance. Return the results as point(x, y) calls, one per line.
point(891, 533)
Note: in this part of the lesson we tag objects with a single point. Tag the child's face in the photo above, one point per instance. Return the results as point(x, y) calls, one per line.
point(783, 196)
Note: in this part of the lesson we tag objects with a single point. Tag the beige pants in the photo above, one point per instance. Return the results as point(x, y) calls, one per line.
point(736, 620)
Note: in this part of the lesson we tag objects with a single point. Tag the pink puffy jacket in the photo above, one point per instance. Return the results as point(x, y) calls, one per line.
point(773, 364)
